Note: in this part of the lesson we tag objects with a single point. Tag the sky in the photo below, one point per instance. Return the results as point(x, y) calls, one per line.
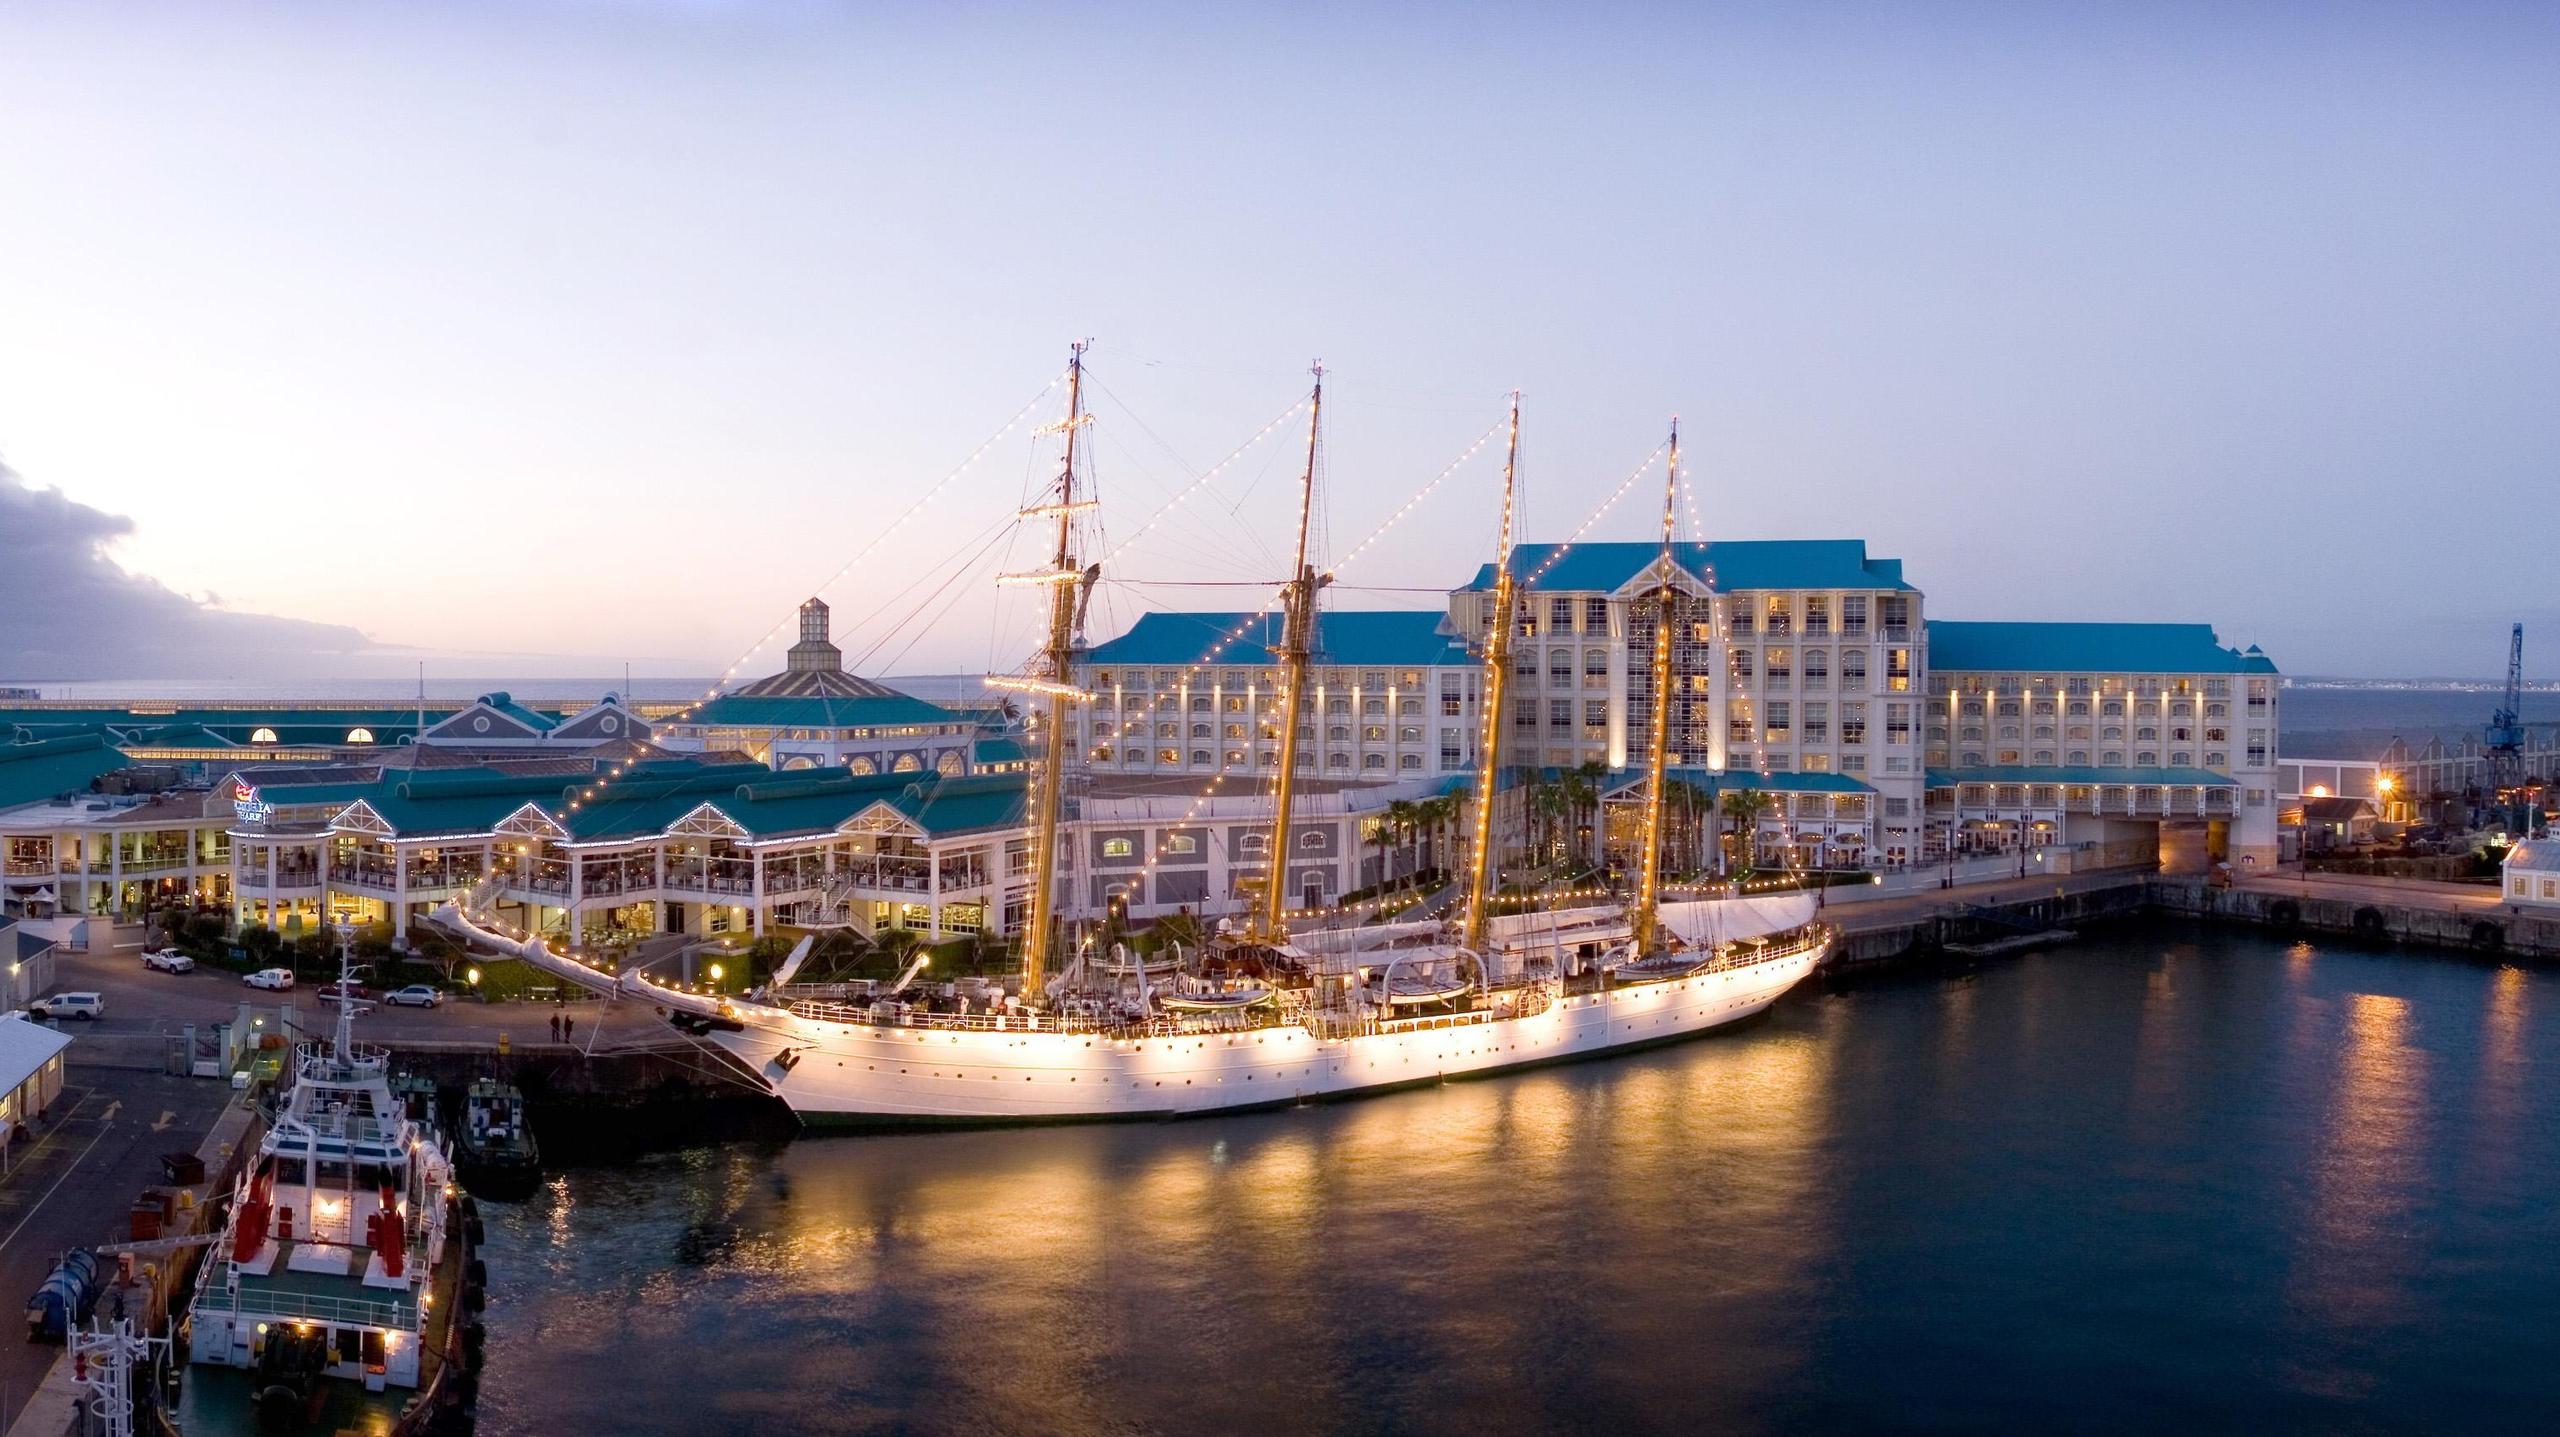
point(548, 337)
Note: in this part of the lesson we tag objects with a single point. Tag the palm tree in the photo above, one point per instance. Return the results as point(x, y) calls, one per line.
point(1404, 818)
point(1547, 805)
point(1382, 832)
point(1742, 810)
point(1439, 816)
point(1587, 781)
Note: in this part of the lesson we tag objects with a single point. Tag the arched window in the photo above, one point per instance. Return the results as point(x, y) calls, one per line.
point(797, 761)
point(949, 763)
point(907, 763)
point(861, 763)
point(359, 735)
point(264, 735)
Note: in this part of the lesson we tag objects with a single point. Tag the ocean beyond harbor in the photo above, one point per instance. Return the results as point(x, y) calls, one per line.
point(2161, 1178)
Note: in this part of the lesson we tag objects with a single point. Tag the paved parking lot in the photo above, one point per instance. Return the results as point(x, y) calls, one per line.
point(143, 1001)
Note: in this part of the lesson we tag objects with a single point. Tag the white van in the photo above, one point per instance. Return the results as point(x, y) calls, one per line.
point(83, 1006)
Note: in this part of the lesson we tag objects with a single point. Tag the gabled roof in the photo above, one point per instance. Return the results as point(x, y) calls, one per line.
point(2334, 810)
point(2082, 774)
point(988, 751)
point(2540, 855)
point(884, 710)
point(1726, 564)
point(1344, 637)
point(51, 768)
point(25, 1047)
point(2087, 648)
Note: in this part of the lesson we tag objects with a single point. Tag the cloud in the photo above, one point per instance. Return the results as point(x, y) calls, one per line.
point(68, 610)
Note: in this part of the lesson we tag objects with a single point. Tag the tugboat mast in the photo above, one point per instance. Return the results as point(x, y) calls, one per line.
point(1657, 756)
point(1297, 638)
point(1497, 673)
point(1059, 660)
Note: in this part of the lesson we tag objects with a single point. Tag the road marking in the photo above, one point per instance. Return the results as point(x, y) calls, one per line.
point(114, 1106)
point(38, 1205)
point(167, 1116)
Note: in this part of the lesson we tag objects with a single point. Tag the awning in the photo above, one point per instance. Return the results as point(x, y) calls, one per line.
point(1714, 921)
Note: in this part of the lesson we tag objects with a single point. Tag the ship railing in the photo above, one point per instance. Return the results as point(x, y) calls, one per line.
point(219, 1293)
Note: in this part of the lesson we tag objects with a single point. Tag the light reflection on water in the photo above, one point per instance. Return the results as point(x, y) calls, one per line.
point(2156, 1179)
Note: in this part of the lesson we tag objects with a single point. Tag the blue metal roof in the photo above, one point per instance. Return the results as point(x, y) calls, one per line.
point(1385, 637)
point(1728, 564)
point(1717, 781)
point(2082, 774)
point(2019, 648)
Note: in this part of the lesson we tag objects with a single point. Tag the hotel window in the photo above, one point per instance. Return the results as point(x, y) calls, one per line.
point(1897, 670)
point(1337, 760)
point(1235, 730)
point(1408, 708)
point(1373, 708)
point(1375, 760)
point(1779, 618)
point(1817, 615)
point(1411, 760)
point(1168, 755)
point(1740, 660)
point(1235, 755)
point(2043, 758)
point(1853, 616)
point(1202, 730)
point(1524, 713)
point(1374, 733)
point(1560, 666)
point(1779, 722)
point(1595, 665)
point(1272, 760)
point(2182, 759)
point(1560, 614)
point(1102, 753)
point(1897, 807)
point(1338, 707)
point(2111, 758)
point(1897, 723)
point(1200, 758)
point(1738, 617)
point(1409, 733)
point(1451, 754)
point(1853, 763)
point(2217, 760)
point(2079, 757)
point(2009, 755)
point(1452, 699)
point(1200, 703)
point(1817, 723)
point(1853, 671)
point(1780, 666)
point(2257, 747)
point(1560, 713)
point(1339, 733)
point(1118, 848)
point(1525, 664)
point(1853, 723)
point(2146, 759)
point(1595, 616)
point(1737, 722)
point(1595, 716)
point(1817, 669)
point(1894, 612)
point(2212, 735)
point(1816, 763)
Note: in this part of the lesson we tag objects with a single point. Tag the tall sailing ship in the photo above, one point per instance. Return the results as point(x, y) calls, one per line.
point(1265, 1014)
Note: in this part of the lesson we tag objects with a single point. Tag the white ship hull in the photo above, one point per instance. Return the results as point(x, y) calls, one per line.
point(852, 1074)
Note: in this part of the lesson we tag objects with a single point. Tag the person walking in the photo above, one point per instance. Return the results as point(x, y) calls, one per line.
point(568, 1027)
point(555, 1027)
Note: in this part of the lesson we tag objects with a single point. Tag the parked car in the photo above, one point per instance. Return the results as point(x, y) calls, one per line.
point(168, 960)
point(342, 992)
point(83, 1006)
point(416, 995)
point(275, 980)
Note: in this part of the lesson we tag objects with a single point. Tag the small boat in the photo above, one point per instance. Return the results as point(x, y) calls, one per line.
point(1661, 967)
point(1215, 1000)
point(1416, 990)
point(497, 1153)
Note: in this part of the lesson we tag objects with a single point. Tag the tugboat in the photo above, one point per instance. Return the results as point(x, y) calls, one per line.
point(498, 1156)
point(343, 1294)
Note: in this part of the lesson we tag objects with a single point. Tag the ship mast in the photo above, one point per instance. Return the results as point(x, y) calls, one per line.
point(1297, 637)
point(1657, 756)
point(1058, 660)
point(1497, 674)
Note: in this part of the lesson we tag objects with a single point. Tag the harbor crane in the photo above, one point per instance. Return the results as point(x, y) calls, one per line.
point(2505, 735)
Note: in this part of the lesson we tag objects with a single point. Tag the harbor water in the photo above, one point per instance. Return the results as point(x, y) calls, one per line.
point(2160, 1179)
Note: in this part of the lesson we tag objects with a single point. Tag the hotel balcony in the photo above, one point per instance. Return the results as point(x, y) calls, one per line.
point(33, 868)
point(729, 878)
point(287, 879)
